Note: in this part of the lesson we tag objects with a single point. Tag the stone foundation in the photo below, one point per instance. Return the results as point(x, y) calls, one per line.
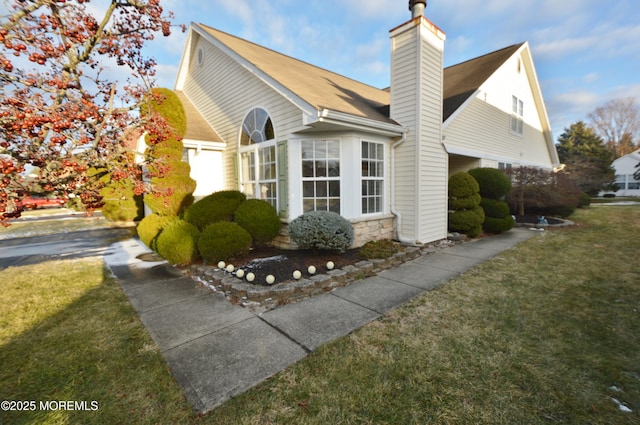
point(364, 230)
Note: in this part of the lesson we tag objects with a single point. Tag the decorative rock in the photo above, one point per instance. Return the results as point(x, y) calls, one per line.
point(221, 265)
point(250, 277)
point(330, 265)
point(270, 279)
point(240, 273)
point(230, 268)
point(312, 269)
point(297, 275)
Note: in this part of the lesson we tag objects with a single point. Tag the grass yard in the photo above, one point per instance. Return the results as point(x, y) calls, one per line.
point(545, 333)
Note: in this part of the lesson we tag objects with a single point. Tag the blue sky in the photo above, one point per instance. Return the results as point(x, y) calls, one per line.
point(586, 52)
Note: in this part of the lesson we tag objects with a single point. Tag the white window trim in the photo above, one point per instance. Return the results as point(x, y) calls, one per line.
point(517, 116)
point(382, 179)
point(339, 178)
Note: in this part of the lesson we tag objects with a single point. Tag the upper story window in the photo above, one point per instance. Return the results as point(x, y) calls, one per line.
point(258, 163)
point(372, 177)
point(517, 114)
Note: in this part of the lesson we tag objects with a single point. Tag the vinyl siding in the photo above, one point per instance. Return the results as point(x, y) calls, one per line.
point(224, 92)
point(483, 125)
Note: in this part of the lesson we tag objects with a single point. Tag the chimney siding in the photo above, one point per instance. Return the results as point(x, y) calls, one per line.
point(421, 162)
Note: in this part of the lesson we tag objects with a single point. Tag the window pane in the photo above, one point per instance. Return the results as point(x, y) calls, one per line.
point(308, 205)
point(308, 189)
point(307, 150)
point(365, 150)
point(321, 168)
point(321, 205)
point(307, 168)
point(380, 151)
point(334, 205)
point(333, 149)
point(334, 188)
point(334, 168)
point(321, 189)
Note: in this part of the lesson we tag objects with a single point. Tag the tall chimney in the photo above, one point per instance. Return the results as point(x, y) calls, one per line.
point(417, 7)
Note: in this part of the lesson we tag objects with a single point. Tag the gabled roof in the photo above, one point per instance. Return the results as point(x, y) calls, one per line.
point(320, 88)
point(323, 89)
point(197, 127)
point(462, 80)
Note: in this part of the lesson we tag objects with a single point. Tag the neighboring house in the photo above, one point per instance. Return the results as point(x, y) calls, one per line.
point(304, 138)
point(625, 167)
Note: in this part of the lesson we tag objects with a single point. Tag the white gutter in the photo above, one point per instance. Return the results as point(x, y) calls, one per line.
point(360, 123)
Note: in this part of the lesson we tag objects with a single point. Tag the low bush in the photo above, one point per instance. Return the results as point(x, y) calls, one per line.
point(219, 206)
point(259, 218)
point(494, 208)
point(383, 248)
point(150, 227)
point(493, 183)
point(223, 240)
point(609, 195)
point(468, 222)
point(178, 242)
point(322, 230)
point(498, 225)
point(172, 195)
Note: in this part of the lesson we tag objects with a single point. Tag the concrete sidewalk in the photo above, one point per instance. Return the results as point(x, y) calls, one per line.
point(217, 350)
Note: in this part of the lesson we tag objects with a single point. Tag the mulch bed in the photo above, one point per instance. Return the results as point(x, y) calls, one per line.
point(281, 263)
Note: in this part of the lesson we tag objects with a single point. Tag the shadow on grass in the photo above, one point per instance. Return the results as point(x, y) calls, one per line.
point(95, 353)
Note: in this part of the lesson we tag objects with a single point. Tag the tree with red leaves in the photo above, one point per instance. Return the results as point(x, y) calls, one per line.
point(60, 115)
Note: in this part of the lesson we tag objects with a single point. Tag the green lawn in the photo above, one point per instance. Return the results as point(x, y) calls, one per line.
point(545, 333)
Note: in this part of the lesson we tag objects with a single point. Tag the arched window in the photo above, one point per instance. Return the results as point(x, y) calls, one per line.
point(258, 165)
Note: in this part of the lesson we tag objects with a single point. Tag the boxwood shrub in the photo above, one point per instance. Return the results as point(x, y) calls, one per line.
point(150, 227)
point(462, 185)
point(468, 222)
point(178, 242)
point(494, 184)
point(223, 240)
point(498, 225)
point(322, 230)
point(259, 218)
point(219, 206)
point(494, 208)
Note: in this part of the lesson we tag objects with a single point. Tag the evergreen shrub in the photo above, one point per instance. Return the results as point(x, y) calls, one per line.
point(584, 200)
point(322, 230)
point(178, 242)
point(219, 206)
point(494, 208)
point(223, 240)
point(465, 214)
point(259, 218)
point(150, 227)
point(120, 202)
point(494, 184)
point(468, 221)
point(498, 225)
point(181, 188)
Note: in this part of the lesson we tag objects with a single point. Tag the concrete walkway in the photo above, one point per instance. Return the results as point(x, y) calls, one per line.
point(217, 350)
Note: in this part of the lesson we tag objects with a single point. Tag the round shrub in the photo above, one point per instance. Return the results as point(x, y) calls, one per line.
point(494, 184)
point(498, 225)
point(462, 185)
point(177, 242)
point(468, 202)
point(322, 230)
point(120, 202)
point(222, 241)
point(494, 208)
point(150, 227)
point(584, 200)
point(218, 206)
point(259, 218)
point(468, 222)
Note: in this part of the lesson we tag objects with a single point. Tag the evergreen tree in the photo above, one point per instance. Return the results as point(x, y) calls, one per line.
point(587, 158)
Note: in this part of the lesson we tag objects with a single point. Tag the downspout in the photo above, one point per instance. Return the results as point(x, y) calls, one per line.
point(393, 198)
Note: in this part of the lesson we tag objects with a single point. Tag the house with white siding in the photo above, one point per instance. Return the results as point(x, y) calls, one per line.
point(626, 168)
point(304, 138)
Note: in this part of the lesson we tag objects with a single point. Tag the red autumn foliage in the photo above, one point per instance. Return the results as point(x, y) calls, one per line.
point(60, 115)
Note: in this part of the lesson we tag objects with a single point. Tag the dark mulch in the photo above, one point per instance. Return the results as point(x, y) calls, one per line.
point(282, 263)
point(533, 219)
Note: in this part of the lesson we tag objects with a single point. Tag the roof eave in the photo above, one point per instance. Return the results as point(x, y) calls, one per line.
point(342, 119)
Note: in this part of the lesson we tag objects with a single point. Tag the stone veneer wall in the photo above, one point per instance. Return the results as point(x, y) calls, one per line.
point(365, 230)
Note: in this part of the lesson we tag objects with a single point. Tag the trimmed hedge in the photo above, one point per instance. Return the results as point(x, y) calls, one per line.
point(259, 218)
point(462, 185)
point(181, 197)
point(178, 242)
point(219, 206)
point(222, 241)
point(494, 184)
point(150, 227)
point(322, 230)
point(465, 203)
point(468, 222)
point(383, 248)
point(498, 225)
point(494, 208)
